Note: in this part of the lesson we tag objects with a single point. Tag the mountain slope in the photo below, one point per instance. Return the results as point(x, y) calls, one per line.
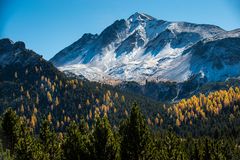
point(35, 89)
point(144, 48)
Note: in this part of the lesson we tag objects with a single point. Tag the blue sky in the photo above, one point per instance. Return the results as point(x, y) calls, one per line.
point(47, 26)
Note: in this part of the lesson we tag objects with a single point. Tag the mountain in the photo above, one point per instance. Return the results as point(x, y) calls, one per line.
point(144, 48)
point(36, 89)
point(218, 57)
point(15, 53)
point(74, 114)
point(14, 57)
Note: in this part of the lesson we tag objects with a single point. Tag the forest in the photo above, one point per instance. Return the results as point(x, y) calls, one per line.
point(133, 140)
point(48, 115)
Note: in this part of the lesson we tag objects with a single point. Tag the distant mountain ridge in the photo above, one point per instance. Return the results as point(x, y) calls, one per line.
point(144, 48)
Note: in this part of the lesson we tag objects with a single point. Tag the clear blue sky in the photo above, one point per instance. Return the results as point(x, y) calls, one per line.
point(47, 26)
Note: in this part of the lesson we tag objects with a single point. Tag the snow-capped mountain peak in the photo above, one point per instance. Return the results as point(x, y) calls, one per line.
point(143, 48)
point(140, 17)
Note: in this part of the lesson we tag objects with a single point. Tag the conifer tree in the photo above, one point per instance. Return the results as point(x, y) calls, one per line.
point(136, 142)
point(106, 147)
point(172, 147)
point(196, 154)
point(49, 96)
point(207, 152)
point(11, 127)
point(77, 145)
point(51, 144)
point(27, 147)
point(5, 154)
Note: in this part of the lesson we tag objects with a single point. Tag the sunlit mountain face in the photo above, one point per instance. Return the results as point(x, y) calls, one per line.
point(144, 48)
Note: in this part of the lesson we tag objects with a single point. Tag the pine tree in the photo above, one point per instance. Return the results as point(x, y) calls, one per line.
point(27, 147)
point(106, 146)
point(11, 127)
point(77, 145)
point(83, 126)
point(51, 144)
point(173, 147)
point(207, 152)
point(5, 154)
point(136, 141)
point(196, 155)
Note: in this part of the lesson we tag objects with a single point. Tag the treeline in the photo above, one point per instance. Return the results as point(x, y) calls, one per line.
point(132, 140)
point(41, 91)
